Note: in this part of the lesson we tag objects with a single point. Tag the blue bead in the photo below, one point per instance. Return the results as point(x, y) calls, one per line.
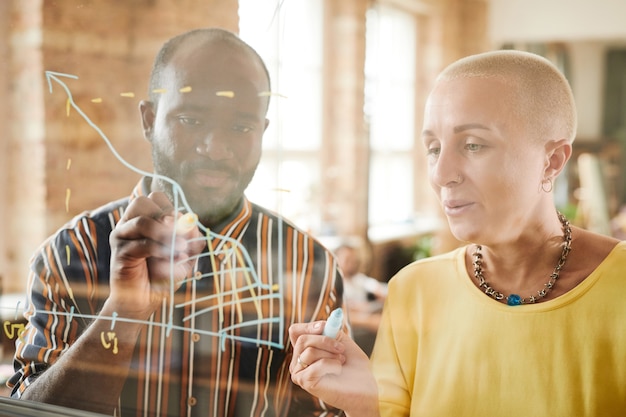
point(514, 300)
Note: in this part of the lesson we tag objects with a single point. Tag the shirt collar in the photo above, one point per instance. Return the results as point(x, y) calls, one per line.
point(230, 228)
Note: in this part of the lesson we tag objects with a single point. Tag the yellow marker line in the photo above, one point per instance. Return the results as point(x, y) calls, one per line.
point(216, 282)
point(218, 292)
point(282, 190)
point(128, 94)
point(67, 253)
point(96, 100)
point(185, 89)
point(159, 90)
point(68, 193)
point(233, 284)
point(68, 105)
point(104, 342)
point(229, 94)
point(269, 93)
point(69, 164)
point(246, 274)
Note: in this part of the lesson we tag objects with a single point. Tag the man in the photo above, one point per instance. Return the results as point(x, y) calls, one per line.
point(167, 322)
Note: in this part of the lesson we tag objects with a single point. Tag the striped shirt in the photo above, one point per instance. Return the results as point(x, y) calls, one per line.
point(220, 346)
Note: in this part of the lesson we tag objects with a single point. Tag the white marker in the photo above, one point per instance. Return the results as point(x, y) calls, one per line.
point(186, 223)
point(334, 323)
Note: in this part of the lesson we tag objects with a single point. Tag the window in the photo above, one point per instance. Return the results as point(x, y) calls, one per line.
point(390, 110)
point(289, 38)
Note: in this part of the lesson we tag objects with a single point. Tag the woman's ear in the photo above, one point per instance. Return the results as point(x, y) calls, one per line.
point(558, 153)
point(147, 110)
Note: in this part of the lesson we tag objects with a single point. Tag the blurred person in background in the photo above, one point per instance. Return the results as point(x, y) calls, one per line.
point(364, 296)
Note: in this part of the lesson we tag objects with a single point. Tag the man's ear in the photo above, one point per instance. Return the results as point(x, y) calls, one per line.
point(558, 153)
point(147, 110)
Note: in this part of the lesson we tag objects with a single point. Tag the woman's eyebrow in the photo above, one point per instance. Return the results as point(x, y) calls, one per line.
point(469, 126)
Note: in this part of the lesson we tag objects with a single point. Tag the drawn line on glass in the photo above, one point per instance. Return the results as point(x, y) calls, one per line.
point(180, 202)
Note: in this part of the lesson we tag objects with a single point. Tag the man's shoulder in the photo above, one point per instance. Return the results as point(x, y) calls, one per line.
point(88, 230)
point(275, 217)
point(104, 217)
point(257, 209)
point(281, 222)
point(110, 207)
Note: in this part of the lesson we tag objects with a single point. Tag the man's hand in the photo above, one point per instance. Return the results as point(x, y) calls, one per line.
point(149, 260)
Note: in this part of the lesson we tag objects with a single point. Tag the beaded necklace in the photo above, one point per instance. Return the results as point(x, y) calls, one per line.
point(515, 299)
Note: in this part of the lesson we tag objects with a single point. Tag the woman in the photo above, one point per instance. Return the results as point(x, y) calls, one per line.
point(528, 318)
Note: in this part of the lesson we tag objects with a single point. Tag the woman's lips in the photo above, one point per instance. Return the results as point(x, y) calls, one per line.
point(456, 207)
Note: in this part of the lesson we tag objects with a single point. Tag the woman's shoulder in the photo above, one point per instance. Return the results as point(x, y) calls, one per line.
point(590, 249)
point(436, 266)
point(593, 245)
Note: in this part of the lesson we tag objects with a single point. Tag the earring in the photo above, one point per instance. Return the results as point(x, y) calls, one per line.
point(546, 185)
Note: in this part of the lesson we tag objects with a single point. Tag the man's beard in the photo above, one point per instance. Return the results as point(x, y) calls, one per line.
point(211, 207)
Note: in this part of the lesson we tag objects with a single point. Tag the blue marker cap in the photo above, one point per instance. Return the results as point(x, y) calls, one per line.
point(334, 323)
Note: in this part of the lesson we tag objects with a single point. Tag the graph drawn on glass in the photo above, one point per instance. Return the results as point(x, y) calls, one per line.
point(251, 293)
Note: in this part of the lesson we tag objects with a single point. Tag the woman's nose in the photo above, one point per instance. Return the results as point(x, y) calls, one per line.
point(445, 170)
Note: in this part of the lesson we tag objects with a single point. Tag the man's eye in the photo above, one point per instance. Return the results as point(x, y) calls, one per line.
point(189, 121)
point(242, 128)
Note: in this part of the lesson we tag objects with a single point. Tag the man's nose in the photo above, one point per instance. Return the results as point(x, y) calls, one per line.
point(214, 145)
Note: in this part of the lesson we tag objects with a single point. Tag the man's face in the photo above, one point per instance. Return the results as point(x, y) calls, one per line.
point(207, 127)
point(483, 165)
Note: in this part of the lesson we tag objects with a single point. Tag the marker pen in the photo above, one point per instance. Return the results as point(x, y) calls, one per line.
point(334, 323)
point(186, 223)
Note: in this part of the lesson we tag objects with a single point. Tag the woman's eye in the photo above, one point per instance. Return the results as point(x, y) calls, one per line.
point(473, 147)
point(434, 151)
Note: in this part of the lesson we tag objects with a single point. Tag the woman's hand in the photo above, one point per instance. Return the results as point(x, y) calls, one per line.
point(335, 370)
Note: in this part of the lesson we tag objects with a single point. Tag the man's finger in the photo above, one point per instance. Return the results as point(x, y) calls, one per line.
point(162, 201)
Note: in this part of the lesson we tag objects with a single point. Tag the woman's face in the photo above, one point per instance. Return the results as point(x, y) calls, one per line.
point(483, 164)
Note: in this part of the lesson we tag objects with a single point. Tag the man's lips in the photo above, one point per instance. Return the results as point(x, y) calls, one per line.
point(210, 178)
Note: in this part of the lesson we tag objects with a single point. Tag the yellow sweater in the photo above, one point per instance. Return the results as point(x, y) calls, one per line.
point(445, 349)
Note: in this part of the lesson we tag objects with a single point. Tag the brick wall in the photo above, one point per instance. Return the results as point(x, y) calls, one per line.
point(447, 30)
point(5, 8)
point(23, 139)
point(110, 45)
point(345, 142)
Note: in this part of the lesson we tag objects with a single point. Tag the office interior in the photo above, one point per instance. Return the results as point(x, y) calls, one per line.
point(342, 157)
